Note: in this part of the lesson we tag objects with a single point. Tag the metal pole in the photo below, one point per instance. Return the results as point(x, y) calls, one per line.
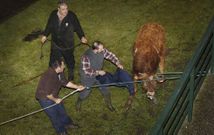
point(212, 59)
point(191, 94)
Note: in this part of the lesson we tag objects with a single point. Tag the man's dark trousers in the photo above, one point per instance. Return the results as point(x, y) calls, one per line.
point(57, 115)
point(68, 56)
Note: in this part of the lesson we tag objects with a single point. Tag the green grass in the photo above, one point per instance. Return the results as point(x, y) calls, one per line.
point(115, 22)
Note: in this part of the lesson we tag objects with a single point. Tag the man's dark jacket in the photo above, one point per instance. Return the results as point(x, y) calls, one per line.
point(63, 33)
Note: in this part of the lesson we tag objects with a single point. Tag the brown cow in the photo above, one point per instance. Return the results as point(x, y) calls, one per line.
point(148, 54)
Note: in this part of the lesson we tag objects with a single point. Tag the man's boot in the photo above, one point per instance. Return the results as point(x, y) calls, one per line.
point(78, 104)
point(128, 103)
point(107, 99)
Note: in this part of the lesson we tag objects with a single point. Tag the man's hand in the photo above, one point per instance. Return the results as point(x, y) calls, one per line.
point(120, 66)
point(58, 100)
point(84, 40)
point(101, 72)
point(80, 87)
point(75, 86)
point(43, 39)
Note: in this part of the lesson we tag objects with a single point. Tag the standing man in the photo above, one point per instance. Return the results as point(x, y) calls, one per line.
point(61, 25)
point(47, 94)
point(91, 66)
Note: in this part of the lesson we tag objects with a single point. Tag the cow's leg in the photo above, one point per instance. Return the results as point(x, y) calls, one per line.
point(128, 103)
point(135, 84)
point(151, 85)
point(144, 78)
point(161, 67)
point(161, 64)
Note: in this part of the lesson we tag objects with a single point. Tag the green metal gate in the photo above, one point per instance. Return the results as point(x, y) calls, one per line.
point(180, 104)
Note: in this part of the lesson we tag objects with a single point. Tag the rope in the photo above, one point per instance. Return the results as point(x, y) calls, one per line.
point(41, 56)
point(94, 86)
point(41, 50)
point(62, 49)
point(34, 77)
point(73, 47)
point(130, 82)
point(40, 110)
point(26, 81)
point(69, 48)
point(170, 73)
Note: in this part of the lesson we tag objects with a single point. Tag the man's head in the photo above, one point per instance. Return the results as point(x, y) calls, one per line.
point(62, 8)
point(97, 46)
point(58, 66)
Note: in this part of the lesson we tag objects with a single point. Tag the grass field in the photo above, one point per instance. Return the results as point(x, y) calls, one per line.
point(115, 22)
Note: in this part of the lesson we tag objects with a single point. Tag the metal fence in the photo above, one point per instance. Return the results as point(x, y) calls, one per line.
point(180, 104)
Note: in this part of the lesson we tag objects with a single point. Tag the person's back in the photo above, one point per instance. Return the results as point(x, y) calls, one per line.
point(43, 88)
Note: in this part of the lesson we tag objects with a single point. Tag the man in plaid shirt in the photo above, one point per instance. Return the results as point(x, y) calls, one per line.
point(91, 67)
point(86, 66)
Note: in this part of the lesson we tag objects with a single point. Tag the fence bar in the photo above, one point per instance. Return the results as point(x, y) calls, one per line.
point(212, 61)
point(191, 95)
point(190, 82)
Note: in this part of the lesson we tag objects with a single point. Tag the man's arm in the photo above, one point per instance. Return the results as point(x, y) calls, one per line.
point(87, 68)
point(78, 29)
point(56, 100)
point(48, 28)
point(113, 58)
point(75, 86)
point(49, 25)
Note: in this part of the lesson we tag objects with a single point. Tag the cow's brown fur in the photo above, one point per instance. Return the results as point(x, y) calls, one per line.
point(148, 54)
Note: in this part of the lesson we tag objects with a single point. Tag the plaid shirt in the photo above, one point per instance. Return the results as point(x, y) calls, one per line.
point(92, 72)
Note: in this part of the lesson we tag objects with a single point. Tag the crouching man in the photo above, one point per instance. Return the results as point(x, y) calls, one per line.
point(47, 94)
point(91, 66)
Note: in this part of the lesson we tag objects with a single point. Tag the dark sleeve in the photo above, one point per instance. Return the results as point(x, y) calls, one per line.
point(77, 26)
point(49, 25)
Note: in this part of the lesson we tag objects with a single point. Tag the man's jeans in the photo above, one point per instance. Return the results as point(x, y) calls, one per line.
point(57, 115)
point(88, 82)
point(119, 76)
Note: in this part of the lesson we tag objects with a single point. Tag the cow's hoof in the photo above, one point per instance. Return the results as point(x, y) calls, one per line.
point(111, 108)
point(161, 79)
point(128, 103)
point(153, 99)
point(127, 107)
